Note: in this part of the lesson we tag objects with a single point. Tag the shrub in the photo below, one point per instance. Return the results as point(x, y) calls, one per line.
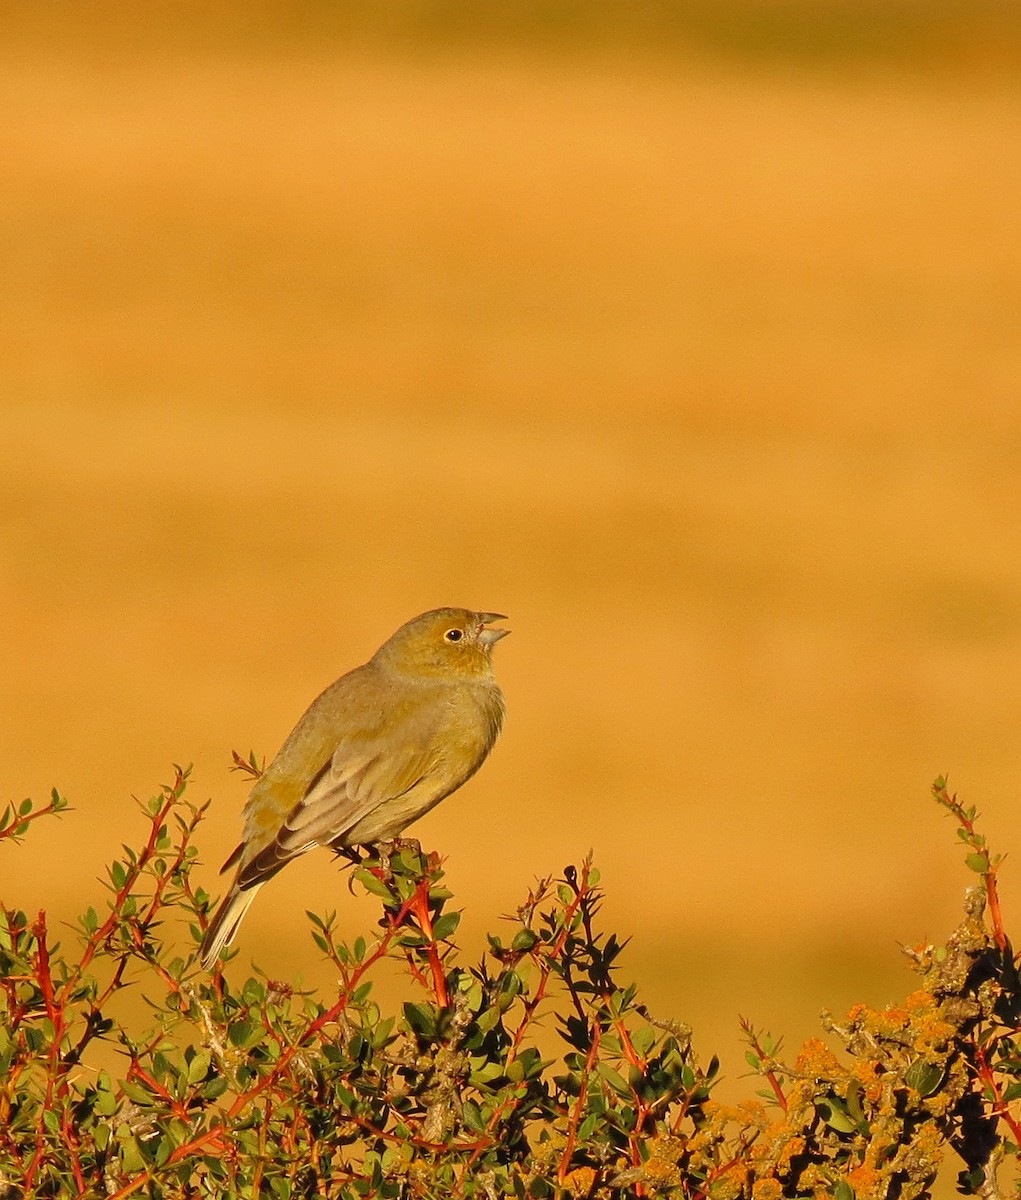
point(255, 1089)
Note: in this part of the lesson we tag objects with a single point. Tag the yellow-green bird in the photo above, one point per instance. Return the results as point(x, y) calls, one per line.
point(380, 747)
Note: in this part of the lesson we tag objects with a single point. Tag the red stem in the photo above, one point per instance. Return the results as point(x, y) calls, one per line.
point(768, 1074)
point(1000, 1108)
point(579, 1105)
point(420, 907)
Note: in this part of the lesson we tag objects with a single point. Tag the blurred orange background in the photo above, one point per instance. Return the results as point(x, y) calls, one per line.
point(691, 345)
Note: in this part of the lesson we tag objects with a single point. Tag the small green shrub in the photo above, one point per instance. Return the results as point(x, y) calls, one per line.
point(258, 1090)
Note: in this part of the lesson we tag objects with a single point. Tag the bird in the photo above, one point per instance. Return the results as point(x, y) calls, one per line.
point(379, 747)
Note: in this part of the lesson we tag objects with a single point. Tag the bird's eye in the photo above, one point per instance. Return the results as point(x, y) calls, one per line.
point(454, 635)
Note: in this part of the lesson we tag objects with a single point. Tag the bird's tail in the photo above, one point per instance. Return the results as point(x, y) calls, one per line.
point(224, 925)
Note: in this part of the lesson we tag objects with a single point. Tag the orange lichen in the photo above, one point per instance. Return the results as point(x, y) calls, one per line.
point(869, 1075)
point(920, 1000)
point(792, 1149)
point(817, 1060)
point(865, 1179)
point(767, 1189)
point(660, 1173)
point(579, 1182)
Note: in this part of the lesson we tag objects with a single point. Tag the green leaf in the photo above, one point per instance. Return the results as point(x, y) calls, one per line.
point(253, 992)
point(924, 1077)
point(421, 1019)
point(643, 1039)
point(106, 1102)
point(163, 1150)
point(131, 1158)
point(198, 1068)
point(488, 1019)
point(471, 1115)
point(471, 989)
point(445, 925)
point(138, 1093)
point(834, 1112)
point(524, 940)
point(613, 1078)
point(588, 1127)
point(854, 1108)
point(238, 1032)
point(371, 884)
point(979, 863)
point(485, 1073)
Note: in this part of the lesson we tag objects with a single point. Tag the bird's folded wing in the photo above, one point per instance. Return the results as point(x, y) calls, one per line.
point(352, 784)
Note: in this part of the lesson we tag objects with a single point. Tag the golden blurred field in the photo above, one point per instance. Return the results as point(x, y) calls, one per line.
point(704, 366)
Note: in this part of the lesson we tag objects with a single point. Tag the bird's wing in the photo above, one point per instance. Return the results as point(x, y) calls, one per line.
point(363, 773)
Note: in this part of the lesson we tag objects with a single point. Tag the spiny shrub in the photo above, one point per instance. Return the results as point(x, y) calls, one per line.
point(256, 1089)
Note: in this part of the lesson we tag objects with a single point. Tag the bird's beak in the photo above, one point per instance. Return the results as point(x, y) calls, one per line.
point(489, 636)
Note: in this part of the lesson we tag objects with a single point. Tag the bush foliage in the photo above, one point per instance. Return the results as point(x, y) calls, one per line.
point(250, 1088)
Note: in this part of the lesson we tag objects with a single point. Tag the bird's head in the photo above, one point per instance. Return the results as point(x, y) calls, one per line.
point(454, 643)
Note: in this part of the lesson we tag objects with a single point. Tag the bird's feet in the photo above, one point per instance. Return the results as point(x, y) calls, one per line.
point(386, 850)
